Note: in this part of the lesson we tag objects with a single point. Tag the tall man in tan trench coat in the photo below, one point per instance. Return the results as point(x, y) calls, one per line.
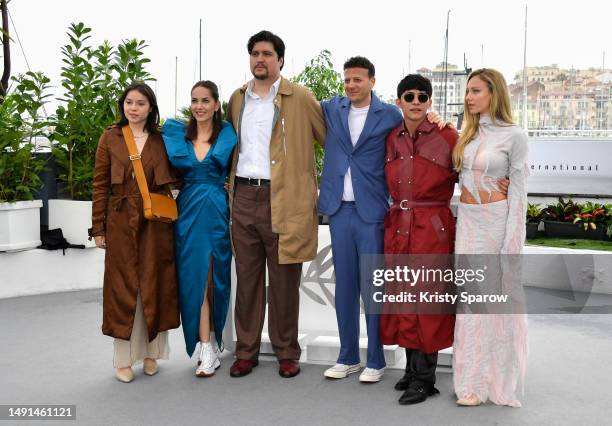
point(272, 195)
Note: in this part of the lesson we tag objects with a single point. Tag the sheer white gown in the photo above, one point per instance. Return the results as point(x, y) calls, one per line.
point(490, 350)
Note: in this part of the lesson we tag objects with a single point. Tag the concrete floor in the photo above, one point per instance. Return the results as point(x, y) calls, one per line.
point(54, 353)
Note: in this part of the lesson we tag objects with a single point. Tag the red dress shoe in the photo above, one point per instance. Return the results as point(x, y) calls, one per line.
point(289, 368)
point(242, 367)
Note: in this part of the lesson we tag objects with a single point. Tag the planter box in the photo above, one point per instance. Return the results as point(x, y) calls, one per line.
point(573, 230)
point(74, 219)
point(532, 229)
point(20, 225)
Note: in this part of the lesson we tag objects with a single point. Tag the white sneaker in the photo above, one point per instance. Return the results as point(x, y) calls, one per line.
point(208, 361)
point(371, 375)
point(340, 371)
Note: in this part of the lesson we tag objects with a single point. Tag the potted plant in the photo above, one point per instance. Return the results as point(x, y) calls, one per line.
point(534, 217)
point(588, 220)
point(20, 125)
point(591, 219)
point(93, 79)
point(559, 218)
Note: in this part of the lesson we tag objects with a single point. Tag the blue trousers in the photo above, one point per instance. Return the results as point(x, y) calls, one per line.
point(351, 238)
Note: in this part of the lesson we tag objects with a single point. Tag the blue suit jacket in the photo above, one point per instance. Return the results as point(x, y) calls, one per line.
point(366, 159)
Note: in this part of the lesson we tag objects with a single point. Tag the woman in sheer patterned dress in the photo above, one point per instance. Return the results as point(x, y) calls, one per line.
point(490, 349)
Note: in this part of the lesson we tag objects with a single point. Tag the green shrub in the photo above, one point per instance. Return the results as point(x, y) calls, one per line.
point(21, 123)
point(93, 79)
point(324, 82)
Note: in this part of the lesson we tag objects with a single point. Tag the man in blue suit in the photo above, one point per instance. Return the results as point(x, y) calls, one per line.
point(354, 196)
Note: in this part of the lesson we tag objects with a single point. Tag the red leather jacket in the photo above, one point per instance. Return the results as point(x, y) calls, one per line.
point(421, 181)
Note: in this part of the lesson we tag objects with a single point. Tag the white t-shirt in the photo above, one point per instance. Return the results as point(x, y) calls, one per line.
point(356, 121)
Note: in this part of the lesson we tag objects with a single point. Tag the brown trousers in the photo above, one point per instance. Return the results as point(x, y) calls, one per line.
point(255, 245)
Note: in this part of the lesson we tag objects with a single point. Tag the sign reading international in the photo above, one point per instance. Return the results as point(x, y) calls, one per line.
point(569, 166)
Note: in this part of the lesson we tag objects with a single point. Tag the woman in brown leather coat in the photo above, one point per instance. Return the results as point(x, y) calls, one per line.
point(140, 299)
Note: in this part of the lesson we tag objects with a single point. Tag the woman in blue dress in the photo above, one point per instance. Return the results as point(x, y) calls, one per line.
point(201, 151)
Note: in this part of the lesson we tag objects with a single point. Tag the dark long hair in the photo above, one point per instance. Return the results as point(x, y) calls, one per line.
point(152, 124)
point(192, 126)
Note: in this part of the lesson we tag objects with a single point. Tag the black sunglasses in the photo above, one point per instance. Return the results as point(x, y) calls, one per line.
point(422, 97)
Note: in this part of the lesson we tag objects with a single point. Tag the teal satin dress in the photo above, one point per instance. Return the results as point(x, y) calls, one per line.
point(201, 232)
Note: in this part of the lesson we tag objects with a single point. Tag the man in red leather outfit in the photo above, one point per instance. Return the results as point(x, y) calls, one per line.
point(421, 181)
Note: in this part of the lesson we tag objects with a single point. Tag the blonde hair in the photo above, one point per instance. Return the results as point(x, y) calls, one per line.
point(499, 110)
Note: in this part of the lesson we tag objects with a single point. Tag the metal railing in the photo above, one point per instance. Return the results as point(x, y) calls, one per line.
point(599, 133)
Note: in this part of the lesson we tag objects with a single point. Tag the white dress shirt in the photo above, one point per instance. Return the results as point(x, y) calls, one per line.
point(255, 133)
point(356, 121)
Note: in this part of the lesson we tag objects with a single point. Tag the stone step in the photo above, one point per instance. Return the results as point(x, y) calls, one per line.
point(445, 358)
point(266, 345)
point(327, 348)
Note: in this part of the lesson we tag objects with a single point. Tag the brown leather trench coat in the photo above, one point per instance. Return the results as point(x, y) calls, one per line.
point(139, 252)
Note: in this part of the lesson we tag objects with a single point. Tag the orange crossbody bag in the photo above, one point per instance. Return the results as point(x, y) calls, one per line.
point(157, 207)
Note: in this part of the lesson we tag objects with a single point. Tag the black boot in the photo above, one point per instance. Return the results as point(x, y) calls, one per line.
point(403, 383)
point(417, 391)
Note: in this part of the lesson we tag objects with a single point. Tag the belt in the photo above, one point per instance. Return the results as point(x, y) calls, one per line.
point(116, 200)
point(252, 181)
point(410, 204)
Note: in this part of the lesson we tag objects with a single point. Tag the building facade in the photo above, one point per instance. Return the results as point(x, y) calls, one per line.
point(560, 99)
point(454, 81)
